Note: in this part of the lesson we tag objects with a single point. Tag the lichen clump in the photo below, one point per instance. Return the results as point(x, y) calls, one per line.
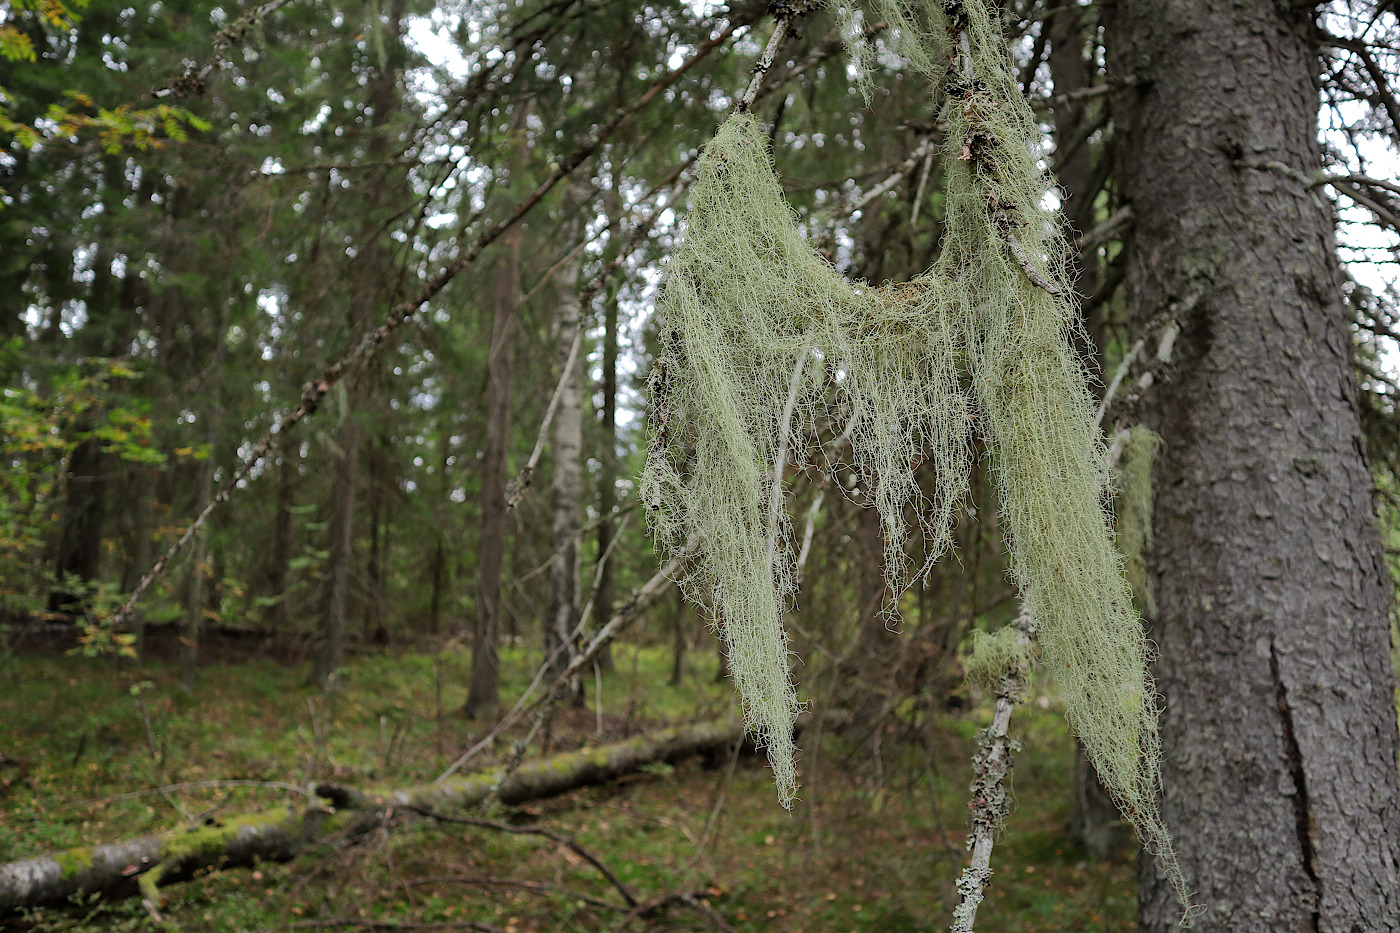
point(765, 345)
point(1133, 510)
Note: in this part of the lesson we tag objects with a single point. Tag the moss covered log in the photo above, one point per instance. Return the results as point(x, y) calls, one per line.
point(138, 866)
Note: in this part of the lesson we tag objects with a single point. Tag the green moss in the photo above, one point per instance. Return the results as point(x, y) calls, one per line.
point(74, 861)
point(210, 841)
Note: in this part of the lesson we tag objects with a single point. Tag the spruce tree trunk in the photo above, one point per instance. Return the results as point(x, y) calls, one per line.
point(483, 695)
point(79, 552)
point(562, 612)
point(1279, 733)
point(275, 616)
point(607, 472)
point(330, 649)
point(444, 494)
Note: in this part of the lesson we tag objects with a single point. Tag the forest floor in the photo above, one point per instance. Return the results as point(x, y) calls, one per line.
point(871, 845)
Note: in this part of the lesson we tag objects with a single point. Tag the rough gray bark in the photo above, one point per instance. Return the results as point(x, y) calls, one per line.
point(562, 610)
point(1280, 728)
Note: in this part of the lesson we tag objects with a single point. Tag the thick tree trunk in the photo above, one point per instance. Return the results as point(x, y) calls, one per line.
point(1280, 729)
point(116, 870)
point(562, 610)
point(483, 694)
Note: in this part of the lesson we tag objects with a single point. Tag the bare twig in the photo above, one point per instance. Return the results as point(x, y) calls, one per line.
point(1117, 380)
point(522, 482)
point(642, 598)
point(392, 925)
point(586, 294)
point(990, 800)
point(684, 899)
point(565, 841)
point(1101, 233)
point(534, 887)
point(1378, 77)
point(924, 150)
point(784, 12)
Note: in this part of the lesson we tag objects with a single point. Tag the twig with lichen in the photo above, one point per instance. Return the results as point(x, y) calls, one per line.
point(1002, 662)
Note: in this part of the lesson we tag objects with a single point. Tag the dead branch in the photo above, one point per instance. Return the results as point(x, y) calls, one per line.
point(141, 866)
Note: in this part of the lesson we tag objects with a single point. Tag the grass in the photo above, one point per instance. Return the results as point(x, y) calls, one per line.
point(869, 847)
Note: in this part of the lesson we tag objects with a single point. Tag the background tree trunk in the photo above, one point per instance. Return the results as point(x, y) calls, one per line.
point(330, 650)
point(1280, 728)
point(607, 472)
point(483, 695)
point(562, 612)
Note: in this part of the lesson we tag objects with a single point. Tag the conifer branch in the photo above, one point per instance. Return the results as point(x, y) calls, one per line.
point(1377, 74)
point(783, 12)
point(191, 83)
point(921, 152)
point(979, 133)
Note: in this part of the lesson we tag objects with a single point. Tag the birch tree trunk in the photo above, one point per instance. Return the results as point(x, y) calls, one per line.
point(1281, 786)
point(562, 612)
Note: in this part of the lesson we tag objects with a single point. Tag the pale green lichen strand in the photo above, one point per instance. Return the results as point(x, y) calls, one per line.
point(988, 331)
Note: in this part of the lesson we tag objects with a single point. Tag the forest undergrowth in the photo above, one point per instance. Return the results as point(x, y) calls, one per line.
point(870, 846)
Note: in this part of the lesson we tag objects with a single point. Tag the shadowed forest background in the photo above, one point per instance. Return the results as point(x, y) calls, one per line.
point(366, 291)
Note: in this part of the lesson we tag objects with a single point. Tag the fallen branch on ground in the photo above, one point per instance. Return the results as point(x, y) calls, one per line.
point(140, 866)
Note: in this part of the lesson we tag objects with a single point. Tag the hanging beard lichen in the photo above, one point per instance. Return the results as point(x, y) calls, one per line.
point(762, 340)
point(759, 334)
point(1132, 480)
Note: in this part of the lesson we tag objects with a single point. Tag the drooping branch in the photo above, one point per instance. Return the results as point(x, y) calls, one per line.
point(1377, 75)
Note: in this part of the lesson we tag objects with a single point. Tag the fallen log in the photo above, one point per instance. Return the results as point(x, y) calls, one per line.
point(140, 866)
